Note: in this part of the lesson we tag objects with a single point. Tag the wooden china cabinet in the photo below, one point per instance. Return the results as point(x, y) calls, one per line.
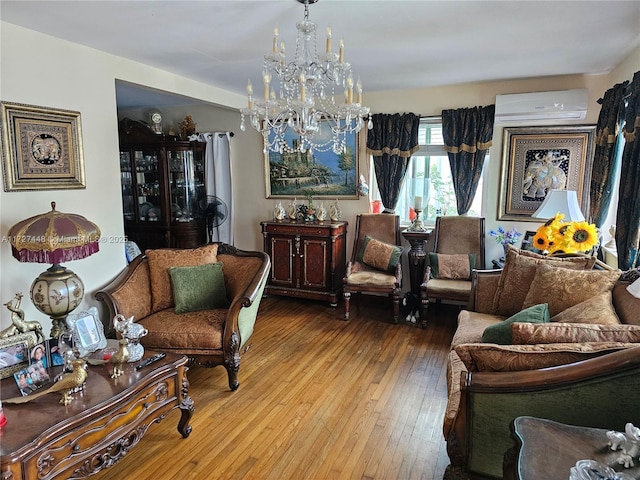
point(308, 260)
point(163, 188)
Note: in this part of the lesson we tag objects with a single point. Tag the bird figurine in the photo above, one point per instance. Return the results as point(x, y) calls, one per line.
point(117, 359)
point(66, 385)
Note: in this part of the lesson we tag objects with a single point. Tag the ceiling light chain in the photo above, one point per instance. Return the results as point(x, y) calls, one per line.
point(307, 96)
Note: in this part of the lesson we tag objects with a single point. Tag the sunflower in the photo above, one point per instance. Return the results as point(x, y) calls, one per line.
point(556, 220)
point(581, 236)
point(543, 239)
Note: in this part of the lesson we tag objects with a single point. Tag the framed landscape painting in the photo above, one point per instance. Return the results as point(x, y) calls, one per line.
point(316, 173)
point(538, 159)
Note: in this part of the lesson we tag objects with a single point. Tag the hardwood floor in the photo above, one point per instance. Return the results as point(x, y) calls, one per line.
point(319, 398)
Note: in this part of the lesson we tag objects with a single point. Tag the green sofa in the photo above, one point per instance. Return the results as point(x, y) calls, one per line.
point(593, 383)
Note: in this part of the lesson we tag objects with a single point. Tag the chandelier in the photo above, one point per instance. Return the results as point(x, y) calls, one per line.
point(306, 103)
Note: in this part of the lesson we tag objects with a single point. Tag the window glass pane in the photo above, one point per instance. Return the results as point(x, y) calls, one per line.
point(429, 177)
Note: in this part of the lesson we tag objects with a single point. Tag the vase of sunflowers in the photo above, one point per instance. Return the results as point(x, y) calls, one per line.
point(558, 236)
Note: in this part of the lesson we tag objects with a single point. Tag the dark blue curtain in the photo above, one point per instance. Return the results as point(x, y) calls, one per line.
point(605, 154)
point(392, 141)
point(467, 136)
point(628, 215)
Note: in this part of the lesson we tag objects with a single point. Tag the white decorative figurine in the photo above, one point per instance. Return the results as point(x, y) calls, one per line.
point(278, 212)
point(628, 443)
point(321, 213)
point(292, 211)
point(334, 211)
point(132, 332)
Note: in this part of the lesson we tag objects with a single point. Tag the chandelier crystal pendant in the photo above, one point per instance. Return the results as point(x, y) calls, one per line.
point(306, 102)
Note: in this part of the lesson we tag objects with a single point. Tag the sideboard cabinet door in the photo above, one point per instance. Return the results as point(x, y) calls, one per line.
point(307, 259)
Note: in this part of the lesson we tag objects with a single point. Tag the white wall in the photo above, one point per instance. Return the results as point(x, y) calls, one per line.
point(74, 77)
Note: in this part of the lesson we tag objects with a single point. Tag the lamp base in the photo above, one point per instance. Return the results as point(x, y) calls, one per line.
point(417, 225)
point(56, 293)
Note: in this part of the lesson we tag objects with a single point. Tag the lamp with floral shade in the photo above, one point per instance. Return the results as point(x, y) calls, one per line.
point(55, 237)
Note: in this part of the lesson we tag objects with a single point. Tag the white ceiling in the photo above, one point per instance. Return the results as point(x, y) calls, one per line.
point(391, 44)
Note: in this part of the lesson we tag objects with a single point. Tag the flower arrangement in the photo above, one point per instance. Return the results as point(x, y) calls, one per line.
point(557, 236)
point(505, 237)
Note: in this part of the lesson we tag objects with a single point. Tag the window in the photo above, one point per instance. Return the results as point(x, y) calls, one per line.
point(428, 176)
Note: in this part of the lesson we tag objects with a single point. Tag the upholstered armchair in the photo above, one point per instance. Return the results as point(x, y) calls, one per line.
point(375, 265)
point(458, 249)
point(200, 302)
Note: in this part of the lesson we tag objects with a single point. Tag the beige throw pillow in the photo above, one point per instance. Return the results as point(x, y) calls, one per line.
point(489, 357)
point(597, 310)
point(159, 262)
point(562, 288)
point(518, 273)
point(536, 333)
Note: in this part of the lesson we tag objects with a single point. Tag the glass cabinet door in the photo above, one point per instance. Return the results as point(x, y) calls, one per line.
point(148, 185)
point(186, 184)
point(126, 180)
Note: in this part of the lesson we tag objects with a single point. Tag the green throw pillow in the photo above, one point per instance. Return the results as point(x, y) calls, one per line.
point(452, 267)
point(500, 333)
point(198, 288)
point(379, 255)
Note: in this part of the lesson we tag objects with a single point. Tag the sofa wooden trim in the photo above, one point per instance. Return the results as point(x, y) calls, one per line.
point(239, 319)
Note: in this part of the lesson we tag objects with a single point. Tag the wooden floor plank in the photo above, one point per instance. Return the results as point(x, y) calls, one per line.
point(319, 398)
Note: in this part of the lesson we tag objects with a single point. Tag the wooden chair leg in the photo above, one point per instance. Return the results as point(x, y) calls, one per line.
point(346, 295)
point(424, 307)
point(396, 304)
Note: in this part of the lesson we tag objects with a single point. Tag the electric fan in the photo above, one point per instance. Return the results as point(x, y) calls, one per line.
point(215, 212)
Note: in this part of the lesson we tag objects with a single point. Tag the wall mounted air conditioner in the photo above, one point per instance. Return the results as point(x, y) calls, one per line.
point(558, 105)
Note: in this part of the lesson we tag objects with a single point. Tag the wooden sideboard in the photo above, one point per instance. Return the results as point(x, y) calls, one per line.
point(308, 260)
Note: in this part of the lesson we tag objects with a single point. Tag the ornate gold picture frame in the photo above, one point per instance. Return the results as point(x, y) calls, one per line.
point(319, 174)
point(41, 148)
point(14, 352)
point(537, 159)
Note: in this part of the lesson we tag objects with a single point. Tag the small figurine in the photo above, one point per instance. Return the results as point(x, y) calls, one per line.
point(19, 324)
point(132, 332)
point(187, 127)
point(363, 188)
point(334, 211)
point(278, 212)
point(292, 210)
point(321, 213)
point(628, 443)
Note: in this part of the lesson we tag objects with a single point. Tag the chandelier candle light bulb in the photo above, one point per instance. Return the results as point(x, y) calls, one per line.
point(328, 39)
point(275, 40)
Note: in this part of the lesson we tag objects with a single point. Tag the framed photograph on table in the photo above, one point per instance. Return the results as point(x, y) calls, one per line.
point(317, 173)
point(41, 148)
point(527, 242)
point(538, 159)
point(14, 352)
point(87, 331)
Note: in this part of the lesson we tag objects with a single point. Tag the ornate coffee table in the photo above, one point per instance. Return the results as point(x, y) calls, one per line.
point(43, 439)
point(547, 450)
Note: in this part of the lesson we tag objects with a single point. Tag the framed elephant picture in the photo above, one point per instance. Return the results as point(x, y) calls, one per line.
point(538, 159)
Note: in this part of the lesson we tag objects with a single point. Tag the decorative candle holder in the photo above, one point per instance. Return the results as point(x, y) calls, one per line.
point(417, 225)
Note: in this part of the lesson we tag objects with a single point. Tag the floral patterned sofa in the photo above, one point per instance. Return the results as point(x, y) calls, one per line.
point(200, 302)
point(580, 365)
